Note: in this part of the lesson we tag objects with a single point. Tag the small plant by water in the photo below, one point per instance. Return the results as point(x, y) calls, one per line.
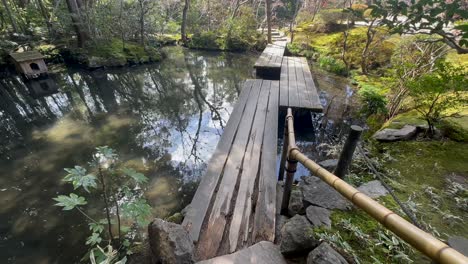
point(114, 223)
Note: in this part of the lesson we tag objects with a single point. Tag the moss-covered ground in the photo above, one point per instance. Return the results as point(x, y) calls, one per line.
point(430, 178)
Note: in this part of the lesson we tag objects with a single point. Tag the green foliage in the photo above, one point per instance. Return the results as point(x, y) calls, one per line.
point(380, 50)
point(374, 101)
point(429, 16)
point(435, 92)
point(326, 21)
point(69, 202)
point(206, 40)
point(122, 196)
point(332, 65)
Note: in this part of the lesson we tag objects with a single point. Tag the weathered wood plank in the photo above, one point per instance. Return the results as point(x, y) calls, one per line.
point(284, 84)
point(198, 208)
point(302, 91)
point(211, 238)
point(265, 210)
point(314, 100)
point(239, 228)
point(293, 93)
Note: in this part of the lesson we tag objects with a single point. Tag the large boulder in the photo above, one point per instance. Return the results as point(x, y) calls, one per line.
point(390, 134)
point(373, 189)
point(297, 236)
point(261, 253)
point(316, 192)
point(318, 216)
point(281, 220)
point(324, 254)
point(295, 206)
point(170, 243)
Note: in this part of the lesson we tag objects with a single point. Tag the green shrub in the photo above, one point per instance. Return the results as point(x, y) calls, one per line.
point(332, 65)
point(374, 102)
point(205, 40)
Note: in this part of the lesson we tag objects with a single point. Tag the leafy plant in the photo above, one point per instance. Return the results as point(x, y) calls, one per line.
point(436, 92)
point(123, 201)
point(374, 102)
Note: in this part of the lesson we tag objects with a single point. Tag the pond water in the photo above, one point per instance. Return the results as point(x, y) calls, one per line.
point(163, 119)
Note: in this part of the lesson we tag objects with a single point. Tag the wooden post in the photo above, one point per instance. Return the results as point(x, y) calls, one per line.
point(290, 171)
point(346, 155)
point(284, 153)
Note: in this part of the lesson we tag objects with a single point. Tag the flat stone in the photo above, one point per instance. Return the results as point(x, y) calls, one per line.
point(297, 236)
point(296, 206)
point(373, 189)
point(318, 216)
point(316, 192)
point(324, 254)
point(329, 164)
point(390, 134)
point(459, 243)
point(170, 243)
point(263, 252)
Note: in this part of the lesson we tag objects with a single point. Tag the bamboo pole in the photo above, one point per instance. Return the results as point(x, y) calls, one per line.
point(422, 241)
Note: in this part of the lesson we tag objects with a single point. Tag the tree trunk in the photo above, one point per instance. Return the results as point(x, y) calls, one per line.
point(46, 17)
point(10, 16)
point(142, 23)
point(81, 34)
point(293, 20)
point(183, 28)
point(268, 15)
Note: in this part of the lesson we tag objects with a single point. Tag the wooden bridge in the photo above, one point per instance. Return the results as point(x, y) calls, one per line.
point(235, 204)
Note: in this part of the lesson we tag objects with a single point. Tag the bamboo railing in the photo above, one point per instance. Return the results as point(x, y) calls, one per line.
point(422, 241)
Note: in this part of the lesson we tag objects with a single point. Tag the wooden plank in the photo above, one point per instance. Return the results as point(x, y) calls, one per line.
point(198, 208)
point(265, 210)
point(314, 100)
point(284, 84)
point(239, 228)
point(293, 94)
point(304, 98)
point(211, 238)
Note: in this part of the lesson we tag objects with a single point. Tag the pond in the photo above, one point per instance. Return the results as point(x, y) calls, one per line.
point(163, 119)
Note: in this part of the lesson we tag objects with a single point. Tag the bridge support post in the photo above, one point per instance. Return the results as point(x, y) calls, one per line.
point(346, 155)
point(290, 171)
point(284, 152)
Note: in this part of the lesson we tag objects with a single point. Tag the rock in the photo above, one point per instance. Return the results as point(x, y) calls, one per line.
point(324, 254)
point(390, 134)
point(316, 192)
point(373, 189)
point(297, 236)
point(280, 221)
point(296, 206)
point(170, 243)
point(459, 243)
point(263, 252)
point(176, 218)
point(185, 210)
point(318, 216)
point(329, 164)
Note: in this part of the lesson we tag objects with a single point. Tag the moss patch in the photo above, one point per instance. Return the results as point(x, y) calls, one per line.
point(409, 118)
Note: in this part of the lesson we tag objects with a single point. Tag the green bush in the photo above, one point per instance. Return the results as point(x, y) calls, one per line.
point(332, 65)
point(374, 102)
point(205, 40)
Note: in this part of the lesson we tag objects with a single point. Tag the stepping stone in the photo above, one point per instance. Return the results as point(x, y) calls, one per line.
point(317, 192)
point(373, 189)
point(459, 243)
point(261, 253)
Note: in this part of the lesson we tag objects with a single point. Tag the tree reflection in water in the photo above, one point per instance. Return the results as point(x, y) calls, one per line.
point(165, 120)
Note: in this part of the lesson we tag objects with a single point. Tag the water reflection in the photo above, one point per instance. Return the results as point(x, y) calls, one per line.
point(164, 120)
